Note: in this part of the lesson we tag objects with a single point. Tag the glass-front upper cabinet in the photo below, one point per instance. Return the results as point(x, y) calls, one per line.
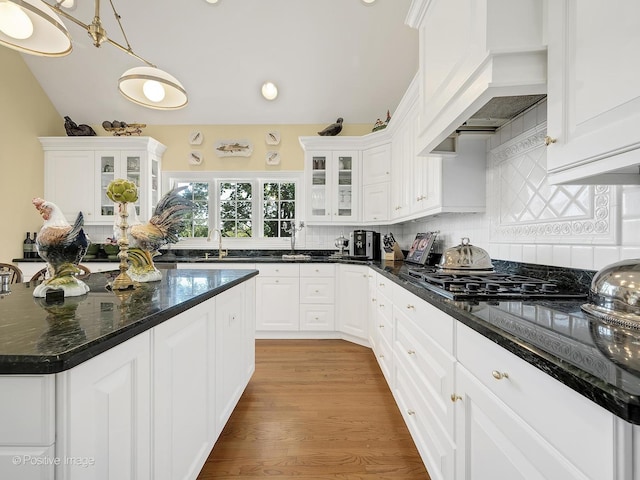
point(332, 179)
point(136, 159)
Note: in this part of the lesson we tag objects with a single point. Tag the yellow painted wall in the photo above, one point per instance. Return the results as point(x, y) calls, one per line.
point(176, 138)
point(26, 114)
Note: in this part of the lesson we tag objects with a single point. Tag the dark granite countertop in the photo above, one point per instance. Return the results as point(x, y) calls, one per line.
point(36, 337)
point(597, 359)
point(601, 361)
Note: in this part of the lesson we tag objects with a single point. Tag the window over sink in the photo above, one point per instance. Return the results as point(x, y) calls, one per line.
point(250, 209)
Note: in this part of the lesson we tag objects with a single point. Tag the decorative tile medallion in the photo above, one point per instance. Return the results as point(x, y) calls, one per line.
point(526, 209)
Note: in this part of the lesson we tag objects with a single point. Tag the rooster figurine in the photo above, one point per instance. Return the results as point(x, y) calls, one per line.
point(62, 246)
point(145, 239)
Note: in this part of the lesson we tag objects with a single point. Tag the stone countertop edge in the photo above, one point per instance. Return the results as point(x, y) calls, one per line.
point(611, 398)
point(49, 364)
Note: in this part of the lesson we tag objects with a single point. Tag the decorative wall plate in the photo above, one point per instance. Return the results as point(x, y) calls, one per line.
point(195, 157)
point(234, 148)
point(273, 158)
point(196, 137)
point(272, 138)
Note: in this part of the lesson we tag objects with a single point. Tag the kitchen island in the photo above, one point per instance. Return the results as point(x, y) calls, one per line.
point(133, 384)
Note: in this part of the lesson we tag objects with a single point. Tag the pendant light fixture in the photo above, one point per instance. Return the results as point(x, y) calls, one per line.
point(32, 26)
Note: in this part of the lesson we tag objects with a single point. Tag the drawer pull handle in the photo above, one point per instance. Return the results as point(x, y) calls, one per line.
point(382, 284)
point(455, 398)
point(380, 326)
point(373, 300)
point(411, 412)
point(411, 352)
point(549, 140)
point(380, 356)
point(410, 307)
point(499, 375)
point(381, 305)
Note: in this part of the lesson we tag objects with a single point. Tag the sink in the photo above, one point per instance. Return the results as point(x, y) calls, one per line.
point(299, 256)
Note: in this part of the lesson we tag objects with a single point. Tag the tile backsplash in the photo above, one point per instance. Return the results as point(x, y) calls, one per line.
point(527, 220)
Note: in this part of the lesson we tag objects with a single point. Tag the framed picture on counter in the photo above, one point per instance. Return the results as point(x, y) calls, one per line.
point(421, 247)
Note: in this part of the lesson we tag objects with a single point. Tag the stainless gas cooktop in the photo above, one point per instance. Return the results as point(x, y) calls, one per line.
point(460, 286)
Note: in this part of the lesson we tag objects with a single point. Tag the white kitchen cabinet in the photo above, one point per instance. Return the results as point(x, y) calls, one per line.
point(515, 421)
point(423, 366)
point(593, 101)
point(184, 385)
point(89, 164)
point(317, 297)
point(103, 414)
point(493, 48)
point(375, 203)
point(353, 302)
point(278, 298)
point(27, 416)
point(232, 371)
point(376, 164)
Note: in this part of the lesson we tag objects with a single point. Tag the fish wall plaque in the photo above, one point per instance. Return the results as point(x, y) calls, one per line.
point(234, 148)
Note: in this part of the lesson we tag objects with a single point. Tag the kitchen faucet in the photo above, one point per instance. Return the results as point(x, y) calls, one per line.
point(293, 230)
point(221, 253)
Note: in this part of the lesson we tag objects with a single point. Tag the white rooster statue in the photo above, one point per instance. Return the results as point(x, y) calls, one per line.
point(62, 246)
point(145, 239)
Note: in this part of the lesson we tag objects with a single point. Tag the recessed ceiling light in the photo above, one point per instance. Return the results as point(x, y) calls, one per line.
point(368, 2)
point(211, 1)
point(269, 91)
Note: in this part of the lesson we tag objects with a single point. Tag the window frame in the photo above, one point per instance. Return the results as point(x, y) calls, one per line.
point(257, 179)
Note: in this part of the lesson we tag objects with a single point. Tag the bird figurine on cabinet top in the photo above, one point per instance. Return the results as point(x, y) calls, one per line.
point(62, 246)
point(333, 129)
point(74, 130)
point(145, 239)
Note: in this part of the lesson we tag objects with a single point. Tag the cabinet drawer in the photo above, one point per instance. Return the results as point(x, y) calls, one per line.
point(27, 410)
point(318, 270)
point(278, 270)
point(384, 286)
point(384, 355)
point(561, 415)
point(429, 365)
point(435, 445)
point(384, 318)
point(317, 317)
point(317, 290)
point(435, 323)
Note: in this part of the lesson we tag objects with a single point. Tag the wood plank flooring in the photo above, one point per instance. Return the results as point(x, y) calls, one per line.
point(315, 409)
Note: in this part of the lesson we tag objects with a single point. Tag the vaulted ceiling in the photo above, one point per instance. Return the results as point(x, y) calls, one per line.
point(329, 59)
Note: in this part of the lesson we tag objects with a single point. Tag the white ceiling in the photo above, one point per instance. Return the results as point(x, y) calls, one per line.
point(329, 58)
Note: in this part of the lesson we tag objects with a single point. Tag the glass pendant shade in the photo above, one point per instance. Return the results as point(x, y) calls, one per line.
point(152, 88)
point(30, 26)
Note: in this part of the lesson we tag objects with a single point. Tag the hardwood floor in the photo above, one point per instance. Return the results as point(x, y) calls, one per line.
point(315, 409)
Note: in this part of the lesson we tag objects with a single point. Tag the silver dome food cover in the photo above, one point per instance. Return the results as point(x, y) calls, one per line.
point(615, 293)
point(465, 258)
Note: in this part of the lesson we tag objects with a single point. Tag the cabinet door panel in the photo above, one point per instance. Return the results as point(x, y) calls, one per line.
point(375, 202)
point(277, 301)
point(62, 169)
point(353, 304)
point(376, 164)
point(184, 421)
point(593, 102)
point(106, 414)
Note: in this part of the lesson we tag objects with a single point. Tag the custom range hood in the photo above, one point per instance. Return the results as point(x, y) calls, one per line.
point(493, 115)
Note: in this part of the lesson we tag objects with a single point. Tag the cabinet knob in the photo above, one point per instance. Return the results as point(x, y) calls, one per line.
point(499, 375)
point(455, 398)
point(381, 326)
point(317, 291)
point(373, 300)
point(381, 305)
point(380, 356)
point(410, 307)
point(411, 352)
point(549, 140)
point(381, 284)
point(411, 412)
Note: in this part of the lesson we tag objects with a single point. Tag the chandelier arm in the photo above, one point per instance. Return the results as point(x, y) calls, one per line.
point(126, 49)
point(130, 52)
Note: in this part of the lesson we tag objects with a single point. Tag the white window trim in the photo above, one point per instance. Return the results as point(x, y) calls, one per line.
point(170, 178)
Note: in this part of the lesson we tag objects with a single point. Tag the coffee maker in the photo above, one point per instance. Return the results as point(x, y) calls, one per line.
point(364, 244)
